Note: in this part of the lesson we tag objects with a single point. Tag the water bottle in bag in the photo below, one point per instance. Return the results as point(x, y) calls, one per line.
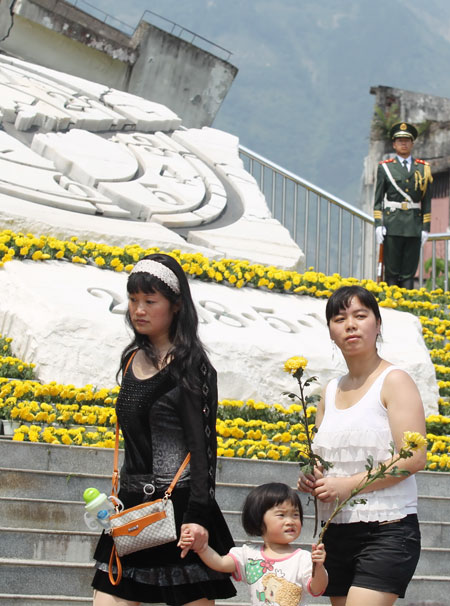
point(98, 509)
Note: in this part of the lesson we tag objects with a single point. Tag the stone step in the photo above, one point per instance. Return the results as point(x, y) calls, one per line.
point(24, 545)
point(39, 577)
point(64, 600)
point(433, 560)
point(435, 533)
point(427, 591)
point(56, 457)
point(61, 545)
point(78, 459)
point(70, 486)
point(50, 550)
point(68, 516)
point(67, 486)
point(44, 515)
point(74, 546)
point(43, 600)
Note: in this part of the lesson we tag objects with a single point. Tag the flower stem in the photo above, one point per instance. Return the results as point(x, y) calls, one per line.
point(366, 481)
point(310, 450)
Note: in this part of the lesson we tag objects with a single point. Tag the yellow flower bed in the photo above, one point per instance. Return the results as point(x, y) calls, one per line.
point(100, 438)
point(55, 392)
point(233, 272)
point(15, 368)
point(280, 440)
point(32, 411)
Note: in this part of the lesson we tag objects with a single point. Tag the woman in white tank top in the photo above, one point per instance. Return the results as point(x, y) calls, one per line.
point(372, 548)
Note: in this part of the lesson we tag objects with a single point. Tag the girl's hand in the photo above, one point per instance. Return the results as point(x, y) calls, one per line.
point(186, 541)
point(329, 489)
point(198, 538)
point(318, 553)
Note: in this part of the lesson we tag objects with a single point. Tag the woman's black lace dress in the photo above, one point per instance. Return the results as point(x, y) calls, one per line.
point(160, 423)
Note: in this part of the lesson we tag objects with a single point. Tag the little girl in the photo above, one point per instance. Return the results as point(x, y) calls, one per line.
point(277, 572)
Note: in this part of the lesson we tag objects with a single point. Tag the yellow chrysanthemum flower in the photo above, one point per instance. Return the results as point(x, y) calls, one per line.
point(294, 364)
point(413, 440)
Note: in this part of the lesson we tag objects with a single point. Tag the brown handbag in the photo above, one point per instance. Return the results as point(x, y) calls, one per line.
point(143, 526)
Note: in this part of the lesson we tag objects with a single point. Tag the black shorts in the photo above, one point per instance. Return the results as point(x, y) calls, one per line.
point(374, 555)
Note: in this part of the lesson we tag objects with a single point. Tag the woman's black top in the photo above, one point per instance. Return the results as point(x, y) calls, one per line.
point(161, 422)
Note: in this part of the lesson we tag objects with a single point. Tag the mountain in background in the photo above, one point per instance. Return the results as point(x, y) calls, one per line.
point(301, 97)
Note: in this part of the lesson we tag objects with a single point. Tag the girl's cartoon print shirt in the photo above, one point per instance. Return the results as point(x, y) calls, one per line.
point(281, 582)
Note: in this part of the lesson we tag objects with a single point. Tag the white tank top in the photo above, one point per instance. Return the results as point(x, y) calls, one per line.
point(346, 438)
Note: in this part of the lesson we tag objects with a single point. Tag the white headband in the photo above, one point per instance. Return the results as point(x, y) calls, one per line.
point(160, 271)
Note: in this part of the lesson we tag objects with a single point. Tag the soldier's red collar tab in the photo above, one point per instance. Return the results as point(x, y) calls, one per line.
point(387, 161)
point(417, 161)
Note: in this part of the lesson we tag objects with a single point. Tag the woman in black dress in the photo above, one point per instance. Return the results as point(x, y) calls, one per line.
point(166, 408)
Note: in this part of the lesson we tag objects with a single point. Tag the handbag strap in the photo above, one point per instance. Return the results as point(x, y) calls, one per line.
point(176, 477)
point(115, 475)
point(114, 557)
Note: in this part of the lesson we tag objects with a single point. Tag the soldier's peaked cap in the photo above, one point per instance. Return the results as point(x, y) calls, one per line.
point(403, 129)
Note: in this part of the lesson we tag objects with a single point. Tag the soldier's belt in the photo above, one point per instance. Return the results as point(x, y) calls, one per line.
point(405, 205)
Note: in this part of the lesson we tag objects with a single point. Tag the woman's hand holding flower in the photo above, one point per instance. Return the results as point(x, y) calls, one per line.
point(329, 489)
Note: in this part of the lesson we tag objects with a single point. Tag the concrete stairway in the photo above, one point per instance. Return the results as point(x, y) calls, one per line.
point(46, 550)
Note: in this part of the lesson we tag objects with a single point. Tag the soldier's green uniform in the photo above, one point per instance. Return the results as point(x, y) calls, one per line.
point(405, 214)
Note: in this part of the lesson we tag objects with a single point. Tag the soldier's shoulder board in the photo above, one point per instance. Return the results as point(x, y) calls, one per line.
point(421, 162)
point(387, 161)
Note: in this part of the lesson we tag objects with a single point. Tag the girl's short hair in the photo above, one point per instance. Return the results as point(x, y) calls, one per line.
point(341, 299)
point(262, 498)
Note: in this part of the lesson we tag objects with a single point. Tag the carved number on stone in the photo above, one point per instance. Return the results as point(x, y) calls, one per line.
point(223, 314)
point(117, 304)
point(274, 321)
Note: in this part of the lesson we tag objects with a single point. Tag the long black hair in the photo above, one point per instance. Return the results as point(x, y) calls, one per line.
point(187, 351)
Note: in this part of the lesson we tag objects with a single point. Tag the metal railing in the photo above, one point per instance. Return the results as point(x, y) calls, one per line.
point(335, 236)
point(186, 34)
point(437, 263)
point(170, 26)
point(101, 15)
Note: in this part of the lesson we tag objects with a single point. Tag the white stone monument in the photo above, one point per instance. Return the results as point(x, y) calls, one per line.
point(78, 159)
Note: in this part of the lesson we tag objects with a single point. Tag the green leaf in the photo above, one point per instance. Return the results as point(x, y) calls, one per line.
point(307, 468)
point(289, 393)
point(369, 465)
point(309, 381)
point(357, 502)
point(325, 464)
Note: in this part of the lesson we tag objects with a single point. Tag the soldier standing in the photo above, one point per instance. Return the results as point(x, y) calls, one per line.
point(402, 208)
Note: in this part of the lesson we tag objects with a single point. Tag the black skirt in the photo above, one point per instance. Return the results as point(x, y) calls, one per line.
point(159, 574)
